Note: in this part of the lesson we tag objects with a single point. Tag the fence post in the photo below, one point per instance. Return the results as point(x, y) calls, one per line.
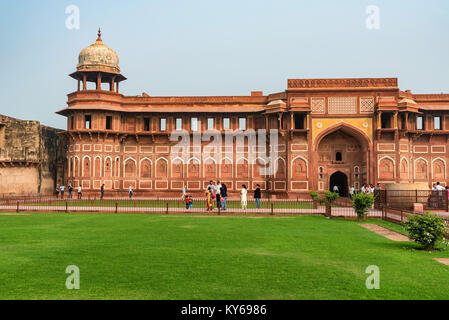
point(416, 196)
point(402, 216)
point(17, 210)
point(272, 211)
point(116, 207)
point(66, 207)
point(166, 208)
point(218, 210)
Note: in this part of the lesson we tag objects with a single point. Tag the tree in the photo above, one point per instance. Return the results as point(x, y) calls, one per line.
point(361, 202)
point(427, 229)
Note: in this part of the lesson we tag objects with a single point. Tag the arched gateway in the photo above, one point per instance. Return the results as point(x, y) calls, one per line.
point(342, 158)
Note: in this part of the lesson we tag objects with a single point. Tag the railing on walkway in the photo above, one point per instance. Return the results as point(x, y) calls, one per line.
point(405, 199)
point(158, 205)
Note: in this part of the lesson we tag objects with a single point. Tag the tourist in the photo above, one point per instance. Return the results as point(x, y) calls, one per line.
point(224, 196)
point(243, 200)
point(257, 195)
point(184, 192)
point(362, 189)
point(188, 202)
point(371, 189)
point(351, 192)
point(70, 191)
point(209, 199)
point(62, 188)
point(439, 187)
point(434, 187)
point(336, 190)
point(130, 192)
point(79, 192)
point(58, 189)
point(218, 194)
point(102, 191)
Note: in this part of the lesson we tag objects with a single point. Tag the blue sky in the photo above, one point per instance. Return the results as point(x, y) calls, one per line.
point(200, 47)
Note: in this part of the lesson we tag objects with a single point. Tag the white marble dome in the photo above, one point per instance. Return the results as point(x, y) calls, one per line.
point(98, 57)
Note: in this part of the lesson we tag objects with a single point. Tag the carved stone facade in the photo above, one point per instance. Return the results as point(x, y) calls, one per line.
point(32, 157)
point(330, 131)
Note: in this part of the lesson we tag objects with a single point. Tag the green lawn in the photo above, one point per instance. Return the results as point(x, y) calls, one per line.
point(231, 204)
point(187, 257)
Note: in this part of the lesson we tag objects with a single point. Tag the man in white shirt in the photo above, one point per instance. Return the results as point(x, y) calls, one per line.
point(351, 191)
point(79, 192)
point(439, 187)
point(362, 190)
point(335, 189)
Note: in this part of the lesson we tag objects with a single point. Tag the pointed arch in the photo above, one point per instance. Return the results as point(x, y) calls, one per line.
point(145, 168)
point(439, 168)
point(242, 168)
point(161, 168)
point(86, 172)
point(280, 168)
point(421, 169)
point(130, 167)
point(108, 167)
point(226, 168)
point(193, 168)
point(177, 168)
point(209, 168)
point(299, 168)
point(386, 168)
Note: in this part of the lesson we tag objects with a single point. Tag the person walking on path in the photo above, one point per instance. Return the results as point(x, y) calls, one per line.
point(58, 189)
point(224, 195)
point(243, 200)
point(209, 199)
point(102, 191)
point(351, 192)
point(79, 192)
point(257, 195)
point(130, 192)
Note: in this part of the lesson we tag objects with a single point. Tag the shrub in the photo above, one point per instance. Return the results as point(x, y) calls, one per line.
point(427, 229)
point(313, 194)
point(330, 197)
point(361, 202)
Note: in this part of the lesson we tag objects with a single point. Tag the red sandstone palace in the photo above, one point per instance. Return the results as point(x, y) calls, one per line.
point(330, 131)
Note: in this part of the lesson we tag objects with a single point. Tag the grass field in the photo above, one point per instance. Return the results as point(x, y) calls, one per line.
point(186, 257)
point(231, 204)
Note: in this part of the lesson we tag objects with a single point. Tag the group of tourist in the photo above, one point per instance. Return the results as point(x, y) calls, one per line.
point(218, 192)
point(60, 189)
point(366, 188)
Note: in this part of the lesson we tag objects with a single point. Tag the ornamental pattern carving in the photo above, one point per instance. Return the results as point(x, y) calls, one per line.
point(342, 105)
point(367, 105)
point(318, 105)
point(343, 83)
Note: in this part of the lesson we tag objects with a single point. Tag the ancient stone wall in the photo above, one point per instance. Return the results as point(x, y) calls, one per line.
point(31, 157)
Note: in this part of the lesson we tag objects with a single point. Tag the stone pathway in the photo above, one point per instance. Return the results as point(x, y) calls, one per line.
point(387, 233)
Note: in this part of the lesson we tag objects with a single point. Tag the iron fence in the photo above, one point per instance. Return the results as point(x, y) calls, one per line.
point(405, 199)
point(166, 205)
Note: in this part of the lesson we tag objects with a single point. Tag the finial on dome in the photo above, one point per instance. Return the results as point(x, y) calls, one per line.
point(99, 35)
